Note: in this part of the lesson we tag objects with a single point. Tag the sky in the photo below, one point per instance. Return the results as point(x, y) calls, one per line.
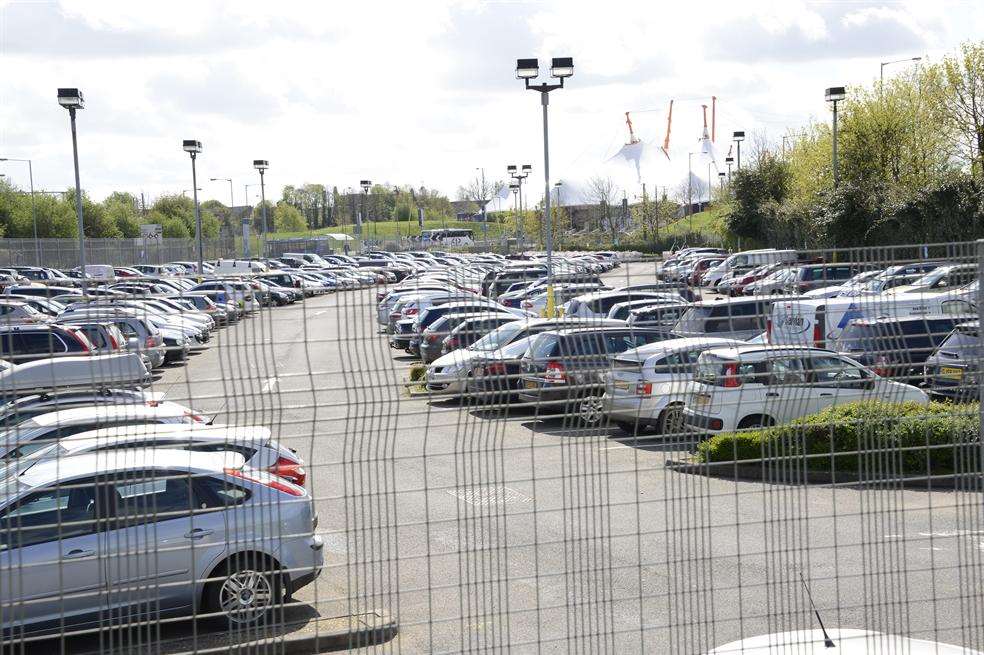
point(425, 92)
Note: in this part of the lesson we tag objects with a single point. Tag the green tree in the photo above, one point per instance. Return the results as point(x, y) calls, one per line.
point(121, 209)
point(287, 218)
point(956, 88)
point(95, 221)
point(172, 227)
point(758, 195)
point(222, 213)
point(257, 224)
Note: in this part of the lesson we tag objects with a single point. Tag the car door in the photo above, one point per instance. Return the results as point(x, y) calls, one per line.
point(836, 381)
point(157, 542)
point(51, 556)
point(788, 395)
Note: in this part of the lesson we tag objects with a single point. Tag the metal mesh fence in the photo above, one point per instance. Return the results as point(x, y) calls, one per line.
point(719, 452)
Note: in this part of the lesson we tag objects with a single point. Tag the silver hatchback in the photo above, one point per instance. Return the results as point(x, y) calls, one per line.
point(100, 539)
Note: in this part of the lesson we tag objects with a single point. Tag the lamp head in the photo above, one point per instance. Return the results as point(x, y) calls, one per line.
point(739, 135)
point(71, 98)
point(834, 94)
point(192, 146)
point(562, 67)
point(365, 184)
point(261, 164)
point(511, 168)
point(527, 168)
point(527, 69)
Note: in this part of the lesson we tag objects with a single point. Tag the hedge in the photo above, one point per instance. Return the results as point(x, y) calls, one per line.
point(863, 437)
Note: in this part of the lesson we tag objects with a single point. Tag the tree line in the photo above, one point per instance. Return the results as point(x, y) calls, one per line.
point(911, 166)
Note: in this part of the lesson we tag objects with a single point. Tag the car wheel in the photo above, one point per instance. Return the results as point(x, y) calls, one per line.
point(590, 410)
point(671, 420)
point(245, 592)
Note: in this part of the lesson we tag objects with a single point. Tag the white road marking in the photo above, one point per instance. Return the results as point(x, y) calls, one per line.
point(270, 384)
point(323, 311)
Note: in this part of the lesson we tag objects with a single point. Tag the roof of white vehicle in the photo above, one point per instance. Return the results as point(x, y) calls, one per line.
point(642, 293)
point(766, 350)
point(167, 433)
point(107, 462)
point(674, 345)
point(126, 411)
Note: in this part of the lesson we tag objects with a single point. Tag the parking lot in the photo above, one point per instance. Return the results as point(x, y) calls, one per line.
point(476, 529)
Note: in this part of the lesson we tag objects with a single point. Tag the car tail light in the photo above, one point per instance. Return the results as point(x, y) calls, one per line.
point(881, 366)
point(451, 343)
point(731, 379)
point(410, 311)
point(432, 338)
point(197, 418)
point(267, 480)
point(289, 469)
point(555, 372)
point(716, 424)
point(768, 330)
point(817, 335)
point(644, 388)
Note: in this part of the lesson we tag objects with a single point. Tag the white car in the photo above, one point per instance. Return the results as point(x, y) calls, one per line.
point(91, 372)
point(598, 304)
point(255, 444)
point(647, 387)
point(755, 386)
point(36, 433)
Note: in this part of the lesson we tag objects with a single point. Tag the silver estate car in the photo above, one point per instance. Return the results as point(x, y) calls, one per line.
point(135, 535)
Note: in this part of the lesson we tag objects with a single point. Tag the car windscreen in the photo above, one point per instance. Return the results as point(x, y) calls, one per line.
point(499, 337)
point(964, 342)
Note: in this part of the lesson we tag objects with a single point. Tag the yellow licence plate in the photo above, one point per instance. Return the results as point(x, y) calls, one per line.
point(951, 373)
point(619, 384)
point(702, 400)
point(529, 384)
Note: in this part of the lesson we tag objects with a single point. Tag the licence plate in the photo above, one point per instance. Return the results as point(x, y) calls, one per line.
point(621, 384)
point(702, 399)
point(951, 373)
point(529, 384)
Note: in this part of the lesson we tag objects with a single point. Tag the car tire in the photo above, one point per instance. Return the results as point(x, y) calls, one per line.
point(671, 420)
point(244, 591)
point(590, 410)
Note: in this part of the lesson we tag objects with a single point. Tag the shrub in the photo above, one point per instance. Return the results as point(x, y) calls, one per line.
point(886, 438)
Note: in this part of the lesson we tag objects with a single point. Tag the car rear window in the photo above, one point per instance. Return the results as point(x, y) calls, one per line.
point(544, 346)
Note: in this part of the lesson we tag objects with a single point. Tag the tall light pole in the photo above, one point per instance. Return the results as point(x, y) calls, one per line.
point(834, 95)
point(193, 148)
point(738, 137)
point(232, 204)
point(721, 175)
point(881, 70)
point(247, 220)
point(482, 203)
point(261, 165)
point(366, 185)
point(72, 99)
point(690, 200)
point(526, 70)
point(728, 161)
point(519, 177)
point(34, 207)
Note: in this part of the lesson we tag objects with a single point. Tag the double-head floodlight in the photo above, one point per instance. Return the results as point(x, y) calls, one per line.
point(261, 164)
point(560, 67)
point(71, 98)
point(835, 94)
point(739, 135)
point(191, 146)
point(527, 168)
point(514, 186)
point(511, 168)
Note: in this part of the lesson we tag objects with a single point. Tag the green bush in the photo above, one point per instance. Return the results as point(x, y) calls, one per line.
point(907, 438)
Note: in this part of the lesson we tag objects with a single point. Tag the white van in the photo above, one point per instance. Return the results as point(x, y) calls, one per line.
point(100, 271)
point(748, 259)
point(815, 321)
point(239, 267)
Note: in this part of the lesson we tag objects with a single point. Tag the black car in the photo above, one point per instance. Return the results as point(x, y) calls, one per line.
point(952, 371)
point(897, 347)
point(496, 376)
point(566, 367)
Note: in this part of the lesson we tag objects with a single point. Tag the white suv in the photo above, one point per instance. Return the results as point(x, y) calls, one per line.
point(758, 386)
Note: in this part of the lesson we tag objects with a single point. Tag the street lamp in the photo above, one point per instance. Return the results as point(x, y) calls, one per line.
point(71, 99)
point(519, 177)
point(232, 203)
point(881, 71)
point(721, 176)
point(261, 165)
point(834, 95)
point(738, 137)
point(560, 68)
point(483, 202)
point(366, 185)
point(728, 161)
point(193, 148)
point(34, 208)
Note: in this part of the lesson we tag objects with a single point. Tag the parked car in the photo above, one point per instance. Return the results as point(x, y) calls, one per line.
point(657, 316)
point(599, 303)
point(432, 339)
point(44, 375)
point(495, 376)
point(35, 433)
point(896, 347)
point(197, 526)
point(952, 371)
point(647, 387)
point(104, 336)
point(941, 278)
point(473, 328)
point(25, 343)
point(732, 318)
point(567, 367)
point(25, 407)
point(254, 443)
point(755, 386)
point(449, 372)
point(16, 311)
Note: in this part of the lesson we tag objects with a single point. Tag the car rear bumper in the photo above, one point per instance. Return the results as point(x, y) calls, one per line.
point(702, 422)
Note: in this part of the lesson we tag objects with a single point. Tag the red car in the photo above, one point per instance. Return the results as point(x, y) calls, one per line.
point(702, 266)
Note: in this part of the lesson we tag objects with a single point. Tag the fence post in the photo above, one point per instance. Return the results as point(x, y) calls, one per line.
point(980, 355)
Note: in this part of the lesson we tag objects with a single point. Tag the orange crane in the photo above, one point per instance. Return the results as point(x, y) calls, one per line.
point(666, 140)
point(632, 137)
